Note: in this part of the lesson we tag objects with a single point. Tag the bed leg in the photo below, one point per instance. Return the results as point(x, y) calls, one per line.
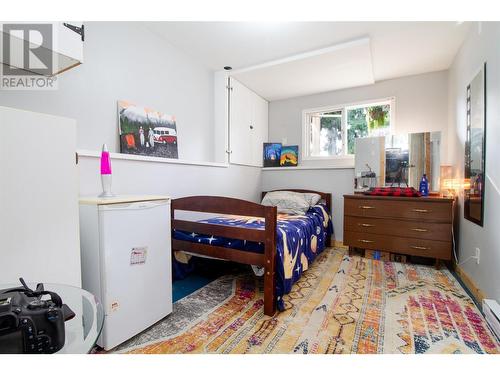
point(270, 262)
point(269, 291)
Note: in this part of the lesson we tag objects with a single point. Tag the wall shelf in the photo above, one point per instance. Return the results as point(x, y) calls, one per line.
point(302, 168)
point(119, 156)
point(115, 155)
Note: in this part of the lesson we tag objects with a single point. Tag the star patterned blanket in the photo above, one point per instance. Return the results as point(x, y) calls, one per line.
point(300, 239)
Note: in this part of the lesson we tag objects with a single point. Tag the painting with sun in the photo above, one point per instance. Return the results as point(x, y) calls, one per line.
point(289, 156)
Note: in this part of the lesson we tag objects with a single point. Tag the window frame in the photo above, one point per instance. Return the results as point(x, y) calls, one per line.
point(306, 125)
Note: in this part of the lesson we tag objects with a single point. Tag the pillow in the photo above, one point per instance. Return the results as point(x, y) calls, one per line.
point(311, 198)
point(288, 202)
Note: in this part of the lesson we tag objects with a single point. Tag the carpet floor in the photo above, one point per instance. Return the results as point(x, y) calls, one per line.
point(187, 286)
point(341, 304)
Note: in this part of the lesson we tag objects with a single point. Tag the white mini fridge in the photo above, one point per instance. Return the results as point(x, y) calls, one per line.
point(126, 262)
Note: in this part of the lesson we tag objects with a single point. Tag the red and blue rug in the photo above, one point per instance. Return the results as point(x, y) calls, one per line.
point(341, 304)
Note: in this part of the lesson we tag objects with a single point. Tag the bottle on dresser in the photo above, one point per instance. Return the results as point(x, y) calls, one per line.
point(424, 186)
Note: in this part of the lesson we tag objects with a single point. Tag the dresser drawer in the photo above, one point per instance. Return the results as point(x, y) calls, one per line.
point(394, 208)
point(400, 228)
point(410, 246)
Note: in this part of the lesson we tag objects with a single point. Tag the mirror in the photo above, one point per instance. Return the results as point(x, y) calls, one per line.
point(408, 157)
point(398, 160)
point(369, 162)
point(475, 142)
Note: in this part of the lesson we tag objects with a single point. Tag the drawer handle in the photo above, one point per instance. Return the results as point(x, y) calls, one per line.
point(366, 241)
point(421, 210)
point(419, 230)
point(366, 225)
point(366, 207)
point(420, 247)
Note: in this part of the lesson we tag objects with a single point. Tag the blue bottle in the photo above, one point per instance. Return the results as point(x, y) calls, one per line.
point(424, 186)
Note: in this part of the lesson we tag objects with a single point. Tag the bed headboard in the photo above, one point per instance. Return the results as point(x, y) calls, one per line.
point(326, 196)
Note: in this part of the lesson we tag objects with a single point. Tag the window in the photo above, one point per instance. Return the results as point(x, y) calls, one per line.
point(326, 133)
point(331, 132)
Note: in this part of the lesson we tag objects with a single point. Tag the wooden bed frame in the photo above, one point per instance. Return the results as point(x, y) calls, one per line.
point(232, 206)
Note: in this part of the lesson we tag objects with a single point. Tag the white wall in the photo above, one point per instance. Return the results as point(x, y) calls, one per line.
point(480, 46)
point(335, 181)
point(39, 209)
point(421, 105)
point(140, 177)
point(124, 60)
point(127, 61)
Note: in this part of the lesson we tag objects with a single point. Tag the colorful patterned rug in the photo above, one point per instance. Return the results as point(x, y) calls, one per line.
point(340, 305)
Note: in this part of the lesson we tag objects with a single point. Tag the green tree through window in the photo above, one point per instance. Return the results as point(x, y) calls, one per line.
point(357, 127)
point(371, 121)
point(333, 132)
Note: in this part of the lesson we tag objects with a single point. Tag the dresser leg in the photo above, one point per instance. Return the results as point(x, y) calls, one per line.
point(437, 264)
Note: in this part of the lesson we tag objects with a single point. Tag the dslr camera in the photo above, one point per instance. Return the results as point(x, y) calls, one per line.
point(30, 322)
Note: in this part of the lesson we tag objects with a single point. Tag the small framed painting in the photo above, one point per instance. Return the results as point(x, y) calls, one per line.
point(144, 131)
point(289, 156)
point(272, 153)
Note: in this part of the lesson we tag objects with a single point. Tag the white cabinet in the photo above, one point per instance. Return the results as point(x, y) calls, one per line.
point(126, 262)
point(69, 43)
point(38, 198)
point(57, 42)
point(248, 125)
point(221, 118)
point(240, 120)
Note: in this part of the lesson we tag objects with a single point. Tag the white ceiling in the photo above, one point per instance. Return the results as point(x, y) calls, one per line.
point(344, 65)
point(396, 49)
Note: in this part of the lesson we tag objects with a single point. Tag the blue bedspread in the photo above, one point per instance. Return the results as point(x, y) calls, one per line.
point(300, 239)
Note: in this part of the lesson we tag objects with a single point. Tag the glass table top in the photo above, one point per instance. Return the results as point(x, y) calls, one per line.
point(84, 329)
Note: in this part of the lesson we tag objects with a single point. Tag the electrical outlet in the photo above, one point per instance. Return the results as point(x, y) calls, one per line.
point(478, 254)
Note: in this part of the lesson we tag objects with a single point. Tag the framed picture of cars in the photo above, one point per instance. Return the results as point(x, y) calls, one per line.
point(145, 131)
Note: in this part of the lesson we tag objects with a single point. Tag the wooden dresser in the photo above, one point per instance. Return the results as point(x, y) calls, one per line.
point(412, 226)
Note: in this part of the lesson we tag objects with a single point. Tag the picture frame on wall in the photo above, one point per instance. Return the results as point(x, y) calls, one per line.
point(289, 156)
point(271, 155)
point(145, 131)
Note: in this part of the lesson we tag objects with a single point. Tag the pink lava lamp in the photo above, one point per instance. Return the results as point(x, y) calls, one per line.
point(106, 173)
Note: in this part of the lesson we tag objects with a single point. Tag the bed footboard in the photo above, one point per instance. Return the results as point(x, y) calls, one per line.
point(232, 206)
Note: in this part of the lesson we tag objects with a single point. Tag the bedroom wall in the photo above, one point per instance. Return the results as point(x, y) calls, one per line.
point(139, 177)
point(481, 45)
point(421, 105)
point(125, 60)
point(336, 181)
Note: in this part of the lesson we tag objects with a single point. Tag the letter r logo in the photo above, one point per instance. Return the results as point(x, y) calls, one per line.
point(27, 49)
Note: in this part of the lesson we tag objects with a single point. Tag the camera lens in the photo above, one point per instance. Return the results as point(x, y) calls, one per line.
point(7, 323)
